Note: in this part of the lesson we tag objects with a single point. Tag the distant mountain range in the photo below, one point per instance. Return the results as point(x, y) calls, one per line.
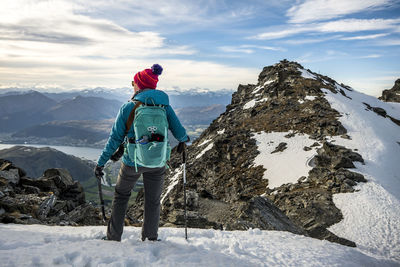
point(178, 99)
point(85, 117)
point(22, 111)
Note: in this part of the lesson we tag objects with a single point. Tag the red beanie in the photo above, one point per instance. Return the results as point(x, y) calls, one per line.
point(148, 78)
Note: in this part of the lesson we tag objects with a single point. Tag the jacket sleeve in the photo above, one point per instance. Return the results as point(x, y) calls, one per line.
point(116, 137)
point(175, 125)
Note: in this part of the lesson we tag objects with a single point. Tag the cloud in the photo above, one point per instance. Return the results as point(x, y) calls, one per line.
point(356, 25)
point(298, 41)
point(372, 56)
point(172, 15)
point(388, 42)
point(114, 73)
point(344, 25)
point(248, 49)
point(317, 10)
point(365, 37)
point(232, 49)
point(312, 57)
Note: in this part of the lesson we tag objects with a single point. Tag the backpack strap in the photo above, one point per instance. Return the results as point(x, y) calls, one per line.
point(131, 117)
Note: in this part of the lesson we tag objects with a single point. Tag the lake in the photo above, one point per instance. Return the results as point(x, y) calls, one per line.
point(80, 152)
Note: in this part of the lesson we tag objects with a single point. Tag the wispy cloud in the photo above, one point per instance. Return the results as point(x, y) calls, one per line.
point(312, 57)
point(301, 41)
point(365, 37)
point(316, 10)
point(372, 56)
point(232, 49)
point(172, 15)
point(344, 25)
point(248, 49)
point(388, 42)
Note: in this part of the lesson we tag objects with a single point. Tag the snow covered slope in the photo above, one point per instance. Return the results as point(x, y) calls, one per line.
point(371, 215)
point(36, 245)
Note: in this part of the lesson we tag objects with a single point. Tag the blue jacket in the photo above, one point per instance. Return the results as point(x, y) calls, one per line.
point(117, 134)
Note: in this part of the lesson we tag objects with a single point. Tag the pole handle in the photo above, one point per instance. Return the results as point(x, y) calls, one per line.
point(184, 153)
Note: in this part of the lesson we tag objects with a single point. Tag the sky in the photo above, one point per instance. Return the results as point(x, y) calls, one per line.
point(204, 44)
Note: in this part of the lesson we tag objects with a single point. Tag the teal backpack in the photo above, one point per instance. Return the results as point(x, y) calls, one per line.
point(151, 148)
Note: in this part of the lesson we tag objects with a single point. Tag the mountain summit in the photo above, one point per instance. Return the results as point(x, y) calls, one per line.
point(286, 154)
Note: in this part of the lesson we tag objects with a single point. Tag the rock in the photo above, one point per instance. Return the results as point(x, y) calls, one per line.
point(379, 111)
point(31, 189)
point(61, 177)
point(6, 165)
point(261, 213)
point(11, 175)
point(392, 95)
point(281, 147)
point(85, 214)
point(55, 198)
point(46, 206)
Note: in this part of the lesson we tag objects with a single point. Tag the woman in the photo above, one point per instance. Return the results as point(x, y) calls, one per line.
point(144, 83)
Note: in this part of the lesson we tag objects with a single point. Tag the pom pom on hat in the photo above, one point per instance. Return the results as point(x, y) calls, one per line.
point(148, 78)
point(157, 69)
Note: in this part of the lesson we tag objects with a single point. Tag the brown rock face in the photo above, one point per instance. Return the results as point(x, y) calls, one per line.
point(225, 188)
point(54, 198)
point(392, 95)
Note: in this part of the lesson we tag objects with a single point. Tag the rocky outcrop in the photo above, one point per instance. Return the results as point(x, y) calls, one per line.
point(392, 95)
point(54, 198)
point(228, 191)
point(309, 201)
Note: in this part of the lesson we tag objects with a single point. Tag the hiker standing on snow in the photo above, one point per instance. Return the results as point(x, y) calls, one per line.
point(144, 83)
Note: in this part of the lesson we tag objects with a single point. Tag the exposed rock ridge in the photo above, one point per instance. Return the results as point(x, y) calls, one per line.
point(226, 190)
point(54, 199)
point(392, 95)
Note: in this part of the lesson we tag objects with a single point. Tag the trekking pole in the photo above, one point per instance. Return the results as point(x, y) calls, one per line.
point(184, 187)
point(101, 199)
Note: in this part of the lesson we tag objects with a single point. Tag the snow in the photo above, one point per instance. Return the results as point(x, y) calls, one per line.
point(38, 245)
point(173, 183)
point(204, 151)
point(253, 102)
point(250, 104)
point(286, 166)
point(269, 82)
point(306, 74)
point(371, 215)
point(310, 97)
point(258, 88)
point(221, 132)
point(204, 142)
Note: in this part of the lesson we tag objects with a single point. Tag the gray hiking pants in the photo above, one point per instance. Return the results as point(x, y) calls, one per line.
point(153, 179)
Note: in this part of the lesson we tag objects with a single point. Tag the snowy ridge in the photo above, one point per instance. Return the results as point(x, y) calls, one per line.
point(306, 74)
point(80, 246)
point(371, 215)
